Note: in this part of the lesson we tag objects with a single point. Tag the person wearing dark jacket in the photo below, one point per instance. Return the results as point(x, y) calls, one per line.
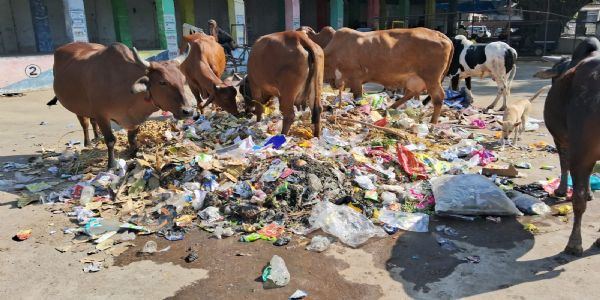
point(222, 36)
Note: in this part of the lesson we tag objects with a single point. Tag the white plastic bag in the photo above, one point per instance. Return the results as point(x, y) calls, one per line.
point(470, 194)
point(350, 227)
point(417, 222)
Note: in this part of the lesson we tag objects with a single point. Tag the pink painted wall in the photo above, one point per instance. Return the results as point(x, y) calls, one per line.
point(13, 68)
point(292, 14)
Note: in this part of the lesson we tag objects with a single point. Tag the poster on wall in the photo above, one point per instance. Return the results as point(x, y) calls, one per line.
point(171, 35)
point(74, 11)
point(78, 26)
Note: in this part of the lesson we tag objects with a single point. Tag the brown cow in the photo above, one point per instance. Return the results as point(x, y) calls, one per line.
point(203, 69)
point(413, 59)
point(113, 84)
point(287, 65)
point(572, 116)
point(322, 38)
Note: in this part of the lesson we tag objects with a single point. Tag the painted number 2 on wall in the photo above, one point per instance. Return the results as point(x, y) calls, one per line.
point(33, 71)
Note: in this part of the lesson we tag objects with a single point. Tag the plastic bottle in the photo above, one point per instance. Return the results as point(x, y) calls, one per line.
point(87, 194)
point(98, 226)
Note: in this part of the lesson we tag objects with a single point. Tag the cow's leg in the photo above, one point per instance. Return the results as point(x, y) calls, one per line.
point(581, 168)
point(454, 81)
point(85, 124)
point(505, 93)
point(356, 88)
point(286, 105)
point(404, 99)
point(437, 98)
point(196, 93)
point(316, 117)
point(498, 95)
point(563, 155)
point(95, 129)
point(258, 111)
point(131, 138)
point(109, 139)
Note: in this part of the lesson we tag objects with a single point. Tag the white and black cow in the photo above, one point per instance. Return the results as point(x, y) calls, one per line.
point(495, 59)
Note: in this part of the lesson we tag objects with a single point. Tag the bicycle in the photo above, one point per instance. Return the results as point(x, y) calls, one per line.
point(234, 61)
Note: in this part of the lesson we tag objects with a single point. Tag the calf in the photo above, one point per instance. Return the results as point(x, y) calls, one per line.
point(496, 59)
point(287, 65)
point(572, 115)
point(203, 69)
point(415, 60)
point(322, 38)
point(114, 84)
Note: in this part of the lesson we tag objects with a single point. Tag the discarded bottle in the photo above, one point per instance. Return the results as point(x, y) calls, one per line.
point(98, 226)
point(87, 194)
point(150, 247)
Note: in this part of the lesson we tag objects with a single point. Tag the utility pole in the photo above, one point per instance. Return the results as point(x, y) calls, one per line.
point(509, 20)
point(546, 29)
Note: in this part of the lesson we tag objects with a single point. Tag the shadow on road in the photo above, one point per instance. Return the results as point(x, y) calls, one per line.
point(418, 259)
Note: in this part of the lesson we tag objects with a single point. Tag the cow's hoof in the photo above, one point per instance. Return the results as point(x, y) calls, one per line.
point(560, 192)
point(503, 108)
point(111, 165)
point(574, 250)
point(489, 108)
point(132, 153)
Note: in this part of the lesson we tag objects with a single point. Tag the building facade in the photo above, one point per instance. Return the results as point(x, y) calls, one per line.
point(40, 26)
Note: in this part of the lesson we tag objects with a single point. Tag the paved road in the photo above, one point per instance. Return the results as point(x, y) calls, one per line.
point(514, 264)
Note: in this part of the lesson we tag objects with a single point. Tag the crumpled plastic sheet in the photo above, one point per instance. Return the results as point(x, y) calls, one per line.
point(341, 221)
point(417, 222)
point(470, 194)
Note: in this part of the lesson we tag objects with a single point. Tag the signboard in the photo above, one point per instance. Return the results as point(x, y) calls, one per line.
point(171, 35)
point(75, 20)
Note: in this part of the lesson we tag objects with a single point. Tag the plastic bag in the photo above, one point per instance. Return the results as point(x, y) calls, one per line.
point(318, 243)
point(470, 194)
point(417, 222)
point(528, 204)
point(352, 228)
point(410, 164)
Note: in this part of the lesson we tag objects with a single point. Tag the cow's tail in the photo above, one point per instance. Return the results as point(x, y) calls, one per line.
point(54, 101)
point(314, 81)
point(546, 87)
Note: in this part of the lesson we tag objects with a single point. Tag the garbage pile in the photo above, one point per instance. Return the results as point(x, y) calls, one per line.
point(368, 175)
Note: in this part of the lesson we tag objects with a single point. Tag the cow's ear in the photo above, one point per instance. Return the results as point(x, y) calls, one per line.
point(141, 85)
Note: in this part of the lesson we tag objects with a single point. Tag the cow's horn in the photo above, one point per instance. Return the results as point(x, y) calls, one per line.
point(139, 60)
point(183, 56)
point(552, 59)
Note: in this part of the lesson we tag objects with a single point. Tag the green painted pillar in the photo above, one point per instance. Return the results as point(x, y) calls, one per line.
point(121, 20)
point(167, 27)
point(430, 13)
point(187, 11)
point(237, 20)
point(336, 13)
point(404, 12)
point(383, 14)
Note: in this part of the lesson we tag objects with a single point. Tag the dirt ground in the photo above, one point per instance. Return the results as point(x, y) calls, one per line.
point(514, 263)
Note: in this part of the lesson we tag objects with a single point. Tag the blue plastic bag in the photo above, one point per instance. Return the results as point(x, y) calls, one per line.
point(594, 182)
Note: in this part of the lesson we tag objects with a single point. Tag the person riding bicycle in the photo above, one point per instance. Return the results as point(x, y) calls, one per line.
point(221, 36)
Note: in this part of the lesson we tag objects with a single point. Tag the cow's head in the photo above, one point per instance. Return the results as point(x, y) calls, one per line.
point(163, 84)
point(561, 65)
point(246, 92)
point(225, 97)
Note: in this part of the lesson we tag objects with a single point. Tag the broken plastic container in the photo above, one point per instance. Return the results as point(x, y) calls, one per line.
point(470, 194)
point(341, 221)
